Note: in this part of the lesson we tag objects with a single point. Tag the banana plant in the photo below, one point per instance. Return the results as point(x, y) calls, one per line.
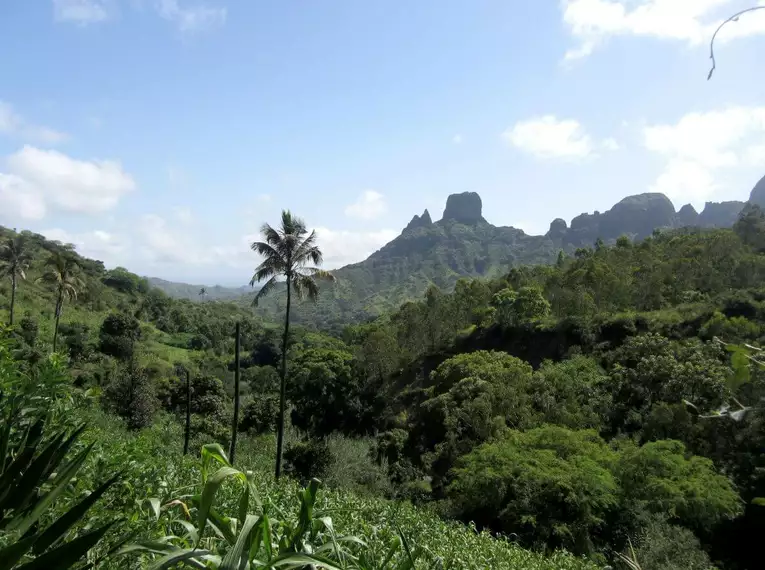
point(35, 472)
point(266, 539)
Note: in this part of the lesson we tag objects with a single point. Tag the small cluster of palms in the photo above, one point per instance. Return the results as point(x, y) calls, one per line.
point(61, 272)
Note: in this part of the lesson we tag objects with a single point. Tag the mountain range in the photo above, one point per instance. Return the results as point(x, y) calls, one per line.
point(463, 244)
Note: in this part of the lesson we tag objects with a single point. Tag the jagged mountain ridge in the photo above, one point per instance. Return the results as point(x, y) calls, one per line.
point(464, 244)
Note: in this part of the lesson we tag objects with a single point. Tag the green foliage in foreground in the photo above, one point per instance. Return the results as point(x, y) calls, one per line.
point(40, 527)
point(158, 504)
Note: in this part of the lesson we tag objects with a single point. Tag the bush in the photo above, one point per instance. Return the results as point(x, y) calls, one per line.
point(131, 395)
point(669, 547)
point(118, 334)
point(353, 466)
point(75, 338)
point(550, 486)
point(260, 414)
point(306, 460)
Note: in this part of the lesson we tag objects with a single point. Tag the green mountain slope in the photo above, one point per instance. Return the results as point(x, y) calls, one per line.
point(464, 244)
point(192, 292)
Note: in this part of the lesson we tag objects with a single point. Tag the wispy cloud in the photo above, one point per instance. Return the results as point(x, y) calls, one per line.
point(550, 137)
point(82, 12)
point(192, 18)
point(370, 205)
point(593, 22)
point(11, 123)
point(701, 146)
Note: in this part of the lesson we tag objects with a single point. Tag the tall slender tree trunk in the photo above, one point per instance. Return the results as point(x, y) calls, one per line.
point(187, 427)
point(235, 427)
point(13, 294)
point(283, 386)
point(58, 316)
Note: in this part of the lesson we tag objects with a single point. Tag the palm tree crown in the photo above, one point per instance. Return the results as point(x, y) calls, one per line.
point(288, 251)
point(15, 259)
point(62, 272)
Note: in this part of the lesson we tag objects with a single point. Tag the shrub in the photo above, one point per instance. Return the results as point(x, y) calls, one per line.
point(118, 334)
point(131, 395)
point(305, 460)
point(550, 486)
point(353, 466)
point(669, 547)
point(260, 414)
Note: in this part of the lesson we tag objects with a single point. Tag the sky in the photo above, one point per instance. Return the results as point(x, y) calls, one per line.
point(159, 135)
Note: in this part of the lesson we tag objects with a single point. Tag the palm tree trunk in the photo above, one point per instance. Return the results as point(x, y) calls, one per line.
point(59, 302)
point(13, 295)
point(283, 386)
point(235, 427)
point(187, 427)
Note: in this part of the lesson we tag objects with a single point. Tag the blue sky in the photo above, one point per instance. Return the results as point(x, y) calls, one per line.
point(160, 134)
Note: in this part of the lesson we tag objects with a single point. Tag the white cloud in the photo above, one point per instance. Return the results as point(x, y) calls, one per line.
point(342, 247)
point(690, 21)
point(701, 145)
point(82, 12)
point(96, 244)
point(196, 18)
point(51, 178)
point(370, 205)
point(11, 123)
point(457, 139)
point(19, 201)
point(549, 137)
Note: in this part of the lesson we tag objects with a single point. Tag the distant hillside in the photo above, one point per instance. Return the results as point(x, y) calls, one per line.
point(464, 244)
point(191, 292)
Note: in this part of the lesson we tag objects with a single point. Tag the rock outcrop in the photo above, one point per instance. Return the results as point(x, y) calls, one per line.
point(422, 221)
point(464, 208)
point(758, 194)
point(720, 214)
point(687, 216)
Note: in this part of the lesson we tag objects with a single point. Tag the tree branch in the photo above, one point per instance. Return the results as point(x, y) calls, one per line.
point(733, 18)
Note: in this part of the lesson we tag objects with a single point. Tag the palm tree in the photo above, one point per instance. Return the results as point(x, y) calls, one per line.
point(15, 259)
point(203, 292)
point(62, 273)
point(287, 252)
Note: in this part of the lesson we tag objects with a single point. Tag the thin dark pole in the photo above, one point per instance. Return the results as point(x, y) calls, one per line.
point(235, 427)
point(187, 429)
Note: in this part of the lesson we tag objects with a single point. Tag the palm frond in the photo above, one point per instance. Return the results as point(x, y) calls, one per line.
point(271, 236)
point(305, 285)
point(266, 270)
point(266, 250)
point(318, 273)
point(268, 286)
point(292, 225)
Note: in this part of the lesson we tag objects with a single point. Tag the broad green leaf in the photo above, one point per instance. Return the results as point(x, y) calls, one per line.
point(70, 518)
point(58, 487)
point(236, 558)
point(11, 554)
point(180, 555)
point(208, 493)
point(65, 556)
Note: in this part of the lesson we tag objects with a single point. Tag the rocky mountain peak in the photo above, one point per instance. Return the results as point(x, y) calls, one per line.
point(419, 221)
point(464, 208)
point(758, 194)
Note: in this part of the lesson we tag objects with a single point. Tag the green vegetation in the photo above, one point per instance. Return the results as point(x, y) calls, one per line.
point(603, 409)
point(287, 252)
